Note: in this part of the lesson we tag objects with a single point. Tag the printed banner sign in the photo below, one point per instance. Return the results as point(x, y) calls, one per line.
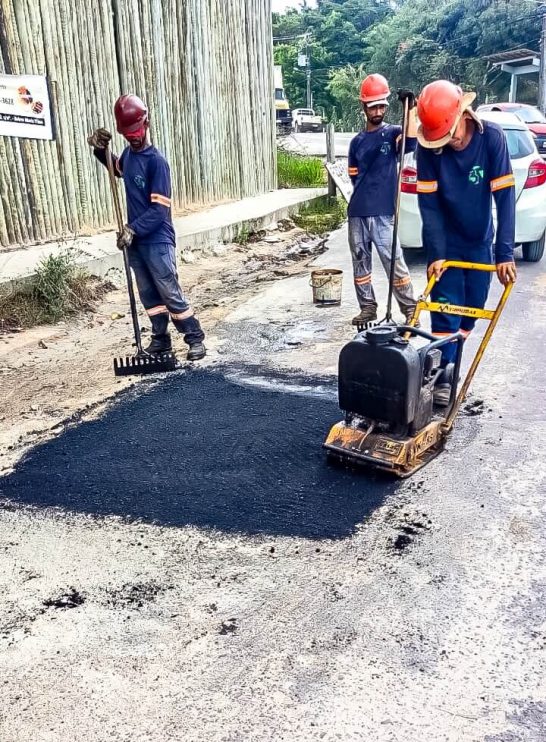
point(338, 171)
point(25, 108)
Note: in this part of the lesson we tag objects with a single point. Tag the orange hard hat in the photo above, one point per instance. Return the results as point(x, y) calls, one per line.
point(375, 89)
point(439, 109)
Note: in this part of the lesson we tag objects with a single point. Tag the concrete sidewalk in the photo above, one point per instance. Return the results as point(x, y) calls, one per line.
point(98, 254)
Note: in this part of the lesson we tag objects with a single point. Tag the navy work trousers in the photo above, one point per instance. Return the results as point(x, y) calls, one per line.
point(160, 292)
point(462, 287)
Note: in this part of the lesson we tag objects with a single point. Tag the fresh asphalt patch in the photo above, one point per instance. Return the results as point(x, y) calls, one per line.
point(200, 449)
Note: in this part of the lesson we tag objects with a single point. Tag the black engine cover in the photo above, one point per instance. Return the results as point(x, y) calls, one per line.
point(380, 377)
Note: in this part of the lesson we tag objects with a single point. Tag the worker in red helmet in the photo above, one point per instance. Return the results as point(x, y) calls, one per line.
point(149, 232)
point(373, 170)
point(462, 165)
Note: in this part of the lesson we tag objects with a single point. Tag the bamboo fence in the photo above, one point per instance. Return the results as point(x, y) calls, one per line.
point(204, 68)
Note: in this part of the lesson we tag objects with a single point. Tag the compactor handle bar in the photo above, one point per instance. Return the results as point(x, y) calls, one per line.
point(491, 315)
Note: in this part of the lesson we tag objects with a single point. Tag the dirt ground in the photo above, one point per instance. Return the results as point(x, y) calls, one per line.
point(54, 376)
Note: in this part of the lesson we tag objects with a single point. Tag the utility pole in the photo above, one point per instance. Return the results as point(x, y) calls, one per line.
point(331, 156)
point(308, 72)
point(304, 60)
point(542, 72)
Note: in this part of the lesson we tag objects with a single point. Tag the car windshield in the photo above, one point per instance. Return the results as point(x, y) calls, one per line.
point(279, 94)
point(520, 143)
point(530, 115)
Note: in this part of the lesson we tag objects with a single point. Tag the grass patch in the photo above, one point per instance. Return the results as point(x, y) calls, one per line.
point(297, 171)
point(59, 289)
point(243, 235)
point(322, 215)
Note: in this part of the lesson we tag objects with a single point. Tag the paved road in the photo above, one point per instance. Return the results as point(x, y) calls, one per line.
point(315, 144)
point(188, 567)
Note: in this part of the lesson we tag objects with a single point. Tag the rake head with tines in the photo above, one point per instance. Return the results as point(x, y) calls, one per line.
point(145, 363)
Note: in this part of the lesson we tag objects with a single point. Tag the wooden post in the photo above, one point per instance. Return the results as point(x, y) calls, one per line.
point(330, 156)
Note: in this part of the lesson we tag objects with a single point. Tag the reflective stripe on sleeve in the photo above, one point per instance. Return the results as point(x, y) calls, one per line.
point(506, 181)
point(157, 198)
point(427, 186)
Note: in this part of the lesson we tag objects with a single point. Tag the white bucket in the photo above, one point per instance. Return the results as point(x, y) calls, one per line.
point(326, 285)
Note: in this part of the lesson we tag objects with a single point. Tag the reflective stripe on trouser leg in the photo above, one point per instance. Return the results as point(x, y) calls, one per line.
point(381, 231)
point(361, 253)
point(159, 317)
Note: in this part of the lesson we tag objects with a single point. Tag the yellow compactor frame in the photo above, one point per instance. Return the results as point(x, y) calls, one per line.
point(403, 456)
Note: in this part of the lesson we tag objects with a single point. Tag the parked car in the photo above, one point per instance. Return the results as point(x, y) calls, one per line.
point(304, 119)
point(530, 174)
point(535, 120)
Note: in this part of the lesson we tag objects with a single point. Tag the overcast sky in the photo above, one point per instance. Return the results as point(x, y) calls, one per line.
point(280, 5)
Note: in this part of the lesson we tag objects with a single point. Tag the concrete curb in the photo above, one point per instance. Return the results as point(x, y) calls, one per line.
point(196, 232)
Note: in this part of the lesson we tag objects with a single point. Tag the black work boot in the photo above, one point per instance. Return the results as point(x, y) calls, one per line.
point(196, 351)
point(368, 313)
point(160, 344)
point(161, 340)
point(193, 336)
point(441, 394)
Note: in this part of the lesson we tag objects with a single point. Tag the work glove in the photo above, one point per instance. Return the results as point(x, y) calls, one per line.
point(404, 95)
point(125, 238)
point(99, 139)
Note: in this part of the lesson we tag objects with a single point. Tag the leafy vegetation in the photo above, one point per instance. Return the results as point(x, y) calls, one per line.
point(411, 42)
point(59, 289)
point(297, 171)
point(322, 215)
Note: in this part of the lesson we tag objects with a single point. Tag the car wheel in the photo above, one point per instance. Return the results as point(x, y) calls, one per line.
point(533, 251)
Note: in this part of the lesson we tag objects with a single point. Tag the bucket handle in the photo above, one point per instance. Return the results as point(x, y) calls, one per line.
point(320, 281)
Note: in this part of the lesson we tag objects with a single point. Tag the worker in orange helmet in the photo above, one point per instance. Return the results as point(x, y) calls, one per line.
point(462, 164)
point(373, 168)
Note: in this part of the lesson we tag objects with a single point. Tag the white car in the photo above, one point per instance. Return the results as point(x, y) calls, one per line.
point(530, 173)
point(305, 119)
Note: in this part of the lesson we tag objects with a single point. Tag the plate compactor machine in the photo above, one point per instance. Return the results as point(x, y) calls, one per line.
point(388, 372)
point(386, 382)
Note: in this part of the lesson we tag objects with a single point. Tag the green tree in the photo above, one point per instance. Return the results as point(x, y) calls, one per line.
point(411, 42)
point(344, 87)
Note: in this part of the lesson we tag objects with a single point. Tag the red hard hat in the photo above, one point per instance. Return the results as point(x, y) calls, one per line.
point(374, 89)
point(131, 114)
point(439, 109)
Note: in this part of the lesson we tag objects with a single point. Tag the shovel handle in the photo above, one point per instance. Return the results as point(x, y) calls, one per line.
point(120, 221)
point(114, 189)
point(394, 245)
